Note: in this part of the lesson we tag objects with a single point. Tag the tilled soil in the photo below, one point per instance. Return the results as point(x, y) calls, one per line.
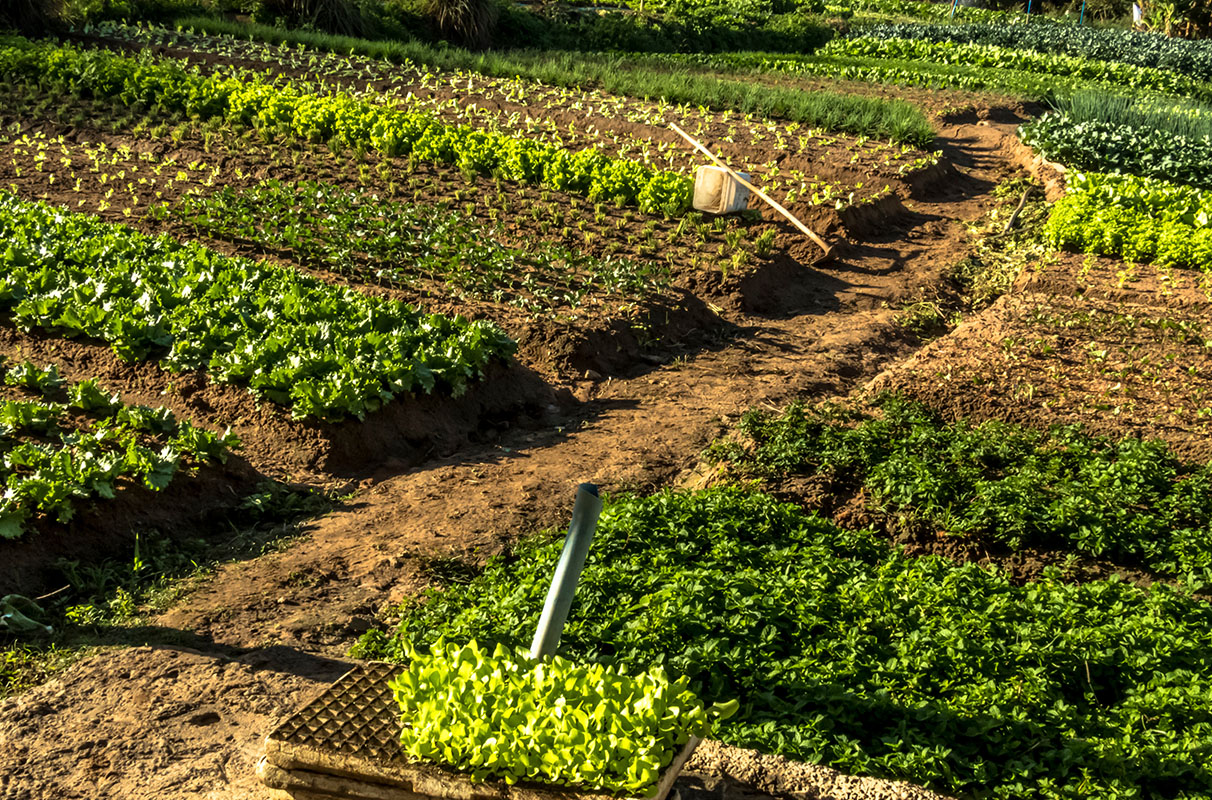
point(164, 721)
point(1080, 342)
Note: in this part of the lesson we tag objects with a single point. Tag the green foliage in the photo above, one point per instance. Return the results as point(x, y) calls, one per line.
point(312, 113)
point(877, 55)
point(1192, 18)
point(68, 460)
point(324, 351)
point(1137, 219)
point(913, 9)
point(352, 233)
point(847, 653)
point(1129, 500)
point(1111, 45)
point(504, 715)
point(1108, 133)
point(84, 12)
point(630, 74)
point(892, 71)
point(987, 56)
point(89, 396)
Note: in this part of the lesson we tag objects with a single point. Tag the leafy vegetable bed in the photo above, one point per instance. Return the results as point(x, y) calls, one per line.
point(640, 88)
point(307, 111)
point(400, 243)
point(920, 9)
point(1137, 219)
point(1026, 60)
point(1129, 500)
point(844, 651)
point(1110, 147)
point(53, 453)
point(322, 350)
point(902, 72)
point(1152, 50)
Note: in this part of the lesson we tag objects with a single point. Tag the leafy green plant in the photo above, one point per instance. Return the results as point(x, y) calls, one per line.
point(915, 9)
point(89, 396)
point(505, 715)
point(43, 379)
point(986, 56)
point(845, 652)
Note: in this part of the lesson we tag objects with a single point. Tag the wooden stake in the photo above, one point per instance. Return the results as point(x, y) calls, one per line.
point(752, 188)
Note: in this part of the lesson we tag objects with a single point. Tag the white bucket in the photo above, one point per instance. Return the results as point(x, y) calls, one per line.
point(717, 192)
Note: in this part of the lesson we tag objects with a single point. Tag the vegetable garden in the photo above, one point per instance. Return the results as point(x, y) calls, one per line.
point(304, 336)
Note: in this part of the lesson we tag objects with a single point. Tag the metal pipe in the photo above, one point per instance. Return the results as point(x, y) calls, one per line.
point(1082, 18)
point(568, 571)
point(954, 3)
point(1029, 2)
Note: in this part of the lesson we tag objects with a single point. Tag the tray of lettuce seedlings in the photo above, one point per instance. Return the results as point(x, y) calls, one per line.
point(502, 716)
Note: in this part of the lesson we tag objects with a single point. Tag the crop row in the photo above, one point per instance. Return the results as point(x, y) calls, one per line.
point(1192, 58)
point(844, 651)
point(352, 233)
point(469, 98)
point(983, 56)
point(324, 351)
point(545, 77)
point(310, 113)
point(85, 447)
point(885, 70)
point(1129, 500)
point(918, 9)
point(1137, 219)
point(1103, 145)
point(612, 250)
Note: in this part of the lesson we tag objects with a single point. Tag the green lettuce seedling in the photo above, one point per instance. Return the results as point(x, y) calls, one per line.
point(505, 715)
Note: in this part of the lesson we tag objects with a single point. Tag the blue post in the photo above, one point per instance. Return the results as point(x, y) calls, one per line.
point(1082, 18)
point(1029, 7)
point(568, 571)
point(954, 3)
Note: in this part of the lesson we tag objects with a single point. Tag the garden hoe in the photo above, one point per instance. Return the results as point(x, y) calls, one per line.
point(826, 250)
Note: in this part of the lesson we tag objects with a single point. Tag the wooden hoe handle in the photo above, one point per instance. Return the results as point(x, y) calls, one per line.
point(751, 187)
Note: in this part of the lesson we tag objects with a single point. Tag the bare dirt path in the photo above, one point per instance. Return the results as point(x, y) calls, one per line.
point(183, 717)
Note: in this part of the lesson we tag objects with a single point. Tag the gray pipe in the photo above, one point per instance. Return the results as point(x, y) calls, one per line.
point(568, 572)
